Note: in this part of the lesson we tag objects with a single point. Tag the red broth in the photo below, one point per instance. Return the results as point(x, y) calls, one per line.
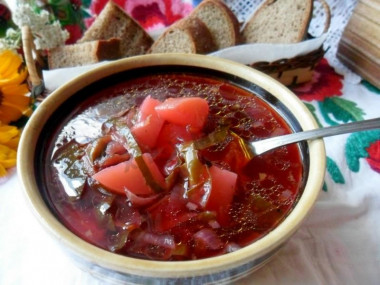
point(173, 224)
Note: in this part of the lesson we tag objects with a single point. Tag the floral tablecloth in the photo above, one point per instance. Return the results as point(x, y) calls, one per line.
point(339, 243)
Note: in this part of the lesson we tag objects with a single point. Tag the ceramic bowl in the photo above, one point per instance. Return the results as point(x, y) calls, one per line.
point(221, 269)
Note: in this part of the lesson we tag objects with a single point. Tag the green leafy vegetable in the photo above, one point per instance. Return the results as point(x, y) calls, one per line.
point(213, 138)
point(71, 168)
point(132, 145)
point(149, 179)
point(135, 150)
point(193, 165)
point(247, 154)
point(95, 149)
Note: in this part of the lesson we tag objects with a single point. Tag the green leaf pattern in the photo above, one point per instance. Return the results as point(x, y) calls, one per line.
point(334, 171)
point(342, 109)
point(312, 109)
point(356, 146)
point(337, 110)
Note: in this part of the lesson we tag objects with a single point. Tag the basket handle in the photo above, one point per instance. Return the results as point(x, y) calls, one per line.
point(326, 7)
point(29, 48)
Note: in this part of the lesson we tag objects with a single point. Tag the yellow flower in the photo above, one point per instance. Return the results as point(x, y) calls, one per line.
point(9, 138)
point(14, 93)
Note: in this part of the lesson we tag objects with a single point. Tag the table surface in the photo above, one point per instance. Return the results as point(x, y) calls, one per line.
point(339, 242)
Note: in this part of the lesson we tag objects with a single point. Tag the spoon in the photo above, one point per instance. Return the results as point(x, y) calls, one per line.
point(262, 146)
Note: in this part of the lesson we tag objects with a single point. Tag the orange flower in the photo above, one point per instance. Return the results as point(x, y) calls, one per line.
point(14, 93)
point(9, 138)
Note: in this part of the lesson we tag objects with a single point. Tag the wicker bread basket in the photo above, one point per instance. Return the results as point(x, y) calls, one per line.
point(34, 63)
point(289, 71)
point(292, 71)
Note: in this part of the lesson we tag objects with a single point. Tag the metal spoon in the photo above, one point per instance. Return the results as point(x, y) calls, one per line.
point(261, 146)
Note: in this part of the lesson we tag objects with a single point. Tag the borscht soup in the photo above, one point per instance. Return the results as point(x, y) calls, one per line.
point(153, 165)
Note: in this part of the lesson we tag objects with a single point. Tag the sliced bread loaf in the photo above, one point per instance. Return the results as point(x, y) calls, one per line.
point(114, 22)
point(221, 22)
point(84, 53)
point(279, 21)
point(189, 35)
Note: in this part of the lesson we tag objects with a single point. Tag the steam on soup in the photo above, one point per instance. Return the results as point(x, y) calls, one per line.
point(156, 168)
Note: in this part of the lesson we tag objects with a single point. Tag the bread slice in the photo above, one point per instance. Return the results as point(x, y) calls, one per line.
point(84, 53)
point(189, 35)
point(221, 22)
point(279, 21)
point(114, 22)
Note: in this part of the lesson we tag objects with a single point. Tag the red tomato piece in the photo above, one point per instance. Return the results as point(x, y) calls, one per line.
point(174, 134)
point(147, 108)
point(127, 175)
point(149, 124)
point(114, 147)
point(191, 111)
point(169, 137)
point(232, 155)
point(115, 153)
point(223, 184)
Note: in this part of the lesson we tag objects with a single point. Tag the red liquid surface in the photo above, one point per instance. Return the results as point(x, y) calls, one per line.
point(172, 226)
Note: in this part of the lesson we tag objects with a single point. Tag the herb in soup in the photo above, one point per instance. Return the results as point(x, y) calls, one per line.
point(156, 168)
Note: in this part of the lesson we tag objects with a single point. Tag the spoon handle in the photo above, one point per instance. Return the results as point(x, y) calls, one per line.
point(265, 145)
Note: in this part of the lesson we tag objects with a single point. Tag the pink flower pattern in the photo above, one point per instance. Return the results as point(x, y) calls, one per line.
point(325, 83)
point(151, 14)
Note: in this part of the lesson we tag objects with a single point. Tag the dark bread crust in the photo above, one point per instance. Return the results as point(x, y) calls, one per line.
point(114, 22)
point(233, 33)
point(200, 39)
point(84, 53)
point(203, 42)
point(108, 49)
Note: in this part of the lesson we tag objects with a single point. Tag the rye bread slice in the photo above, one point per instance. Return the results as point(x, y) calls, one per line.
point(114, 22)
point(189, 35)
point(84, 53)
point(221, 22)
point(279, 21)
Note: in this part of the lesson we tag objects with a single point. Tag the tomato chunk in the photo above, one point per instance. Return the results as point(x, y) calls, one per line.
point(174, 134)
point(127, 175)
point(171, 135)
point(223, 184)
point(192, 111)
point(148, 125)
point(165, 150)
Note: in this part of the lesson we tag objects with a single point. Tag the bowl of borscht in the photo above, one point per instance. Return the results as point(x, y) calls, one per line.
point(139, 168)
